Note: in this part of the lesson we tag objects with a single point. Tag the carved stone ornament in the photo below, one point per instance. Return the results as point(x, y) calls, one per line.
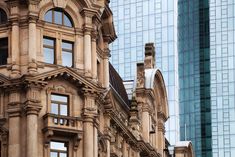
point(60, 3)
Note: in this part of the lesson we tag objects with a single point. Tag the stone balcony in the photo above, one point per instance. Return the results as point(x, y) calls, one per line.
point(61, 125)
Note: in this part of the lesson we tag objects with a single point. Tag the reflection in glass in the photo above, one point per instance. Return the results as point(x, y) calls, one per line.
point(59, 104)
point(67, 56)
point(49, 50)
point(58, 149)
point(58, 16)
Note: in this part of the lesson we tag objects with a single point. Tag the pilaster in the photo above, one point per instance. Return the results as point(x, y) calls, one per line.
point(32, 107)
point(145, 122)
point(14, 113)
point(89, 115)
point(32, 45)
point(15, 35)
point(106, 64)
point(87, 29)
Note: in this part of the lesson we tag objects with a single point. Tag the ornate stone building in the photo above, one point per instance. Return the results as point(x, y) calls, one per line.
point(60, 97)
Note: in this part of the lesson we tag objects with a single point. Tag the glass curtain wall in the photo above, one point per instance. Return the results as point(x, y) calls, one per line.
point(138, 22)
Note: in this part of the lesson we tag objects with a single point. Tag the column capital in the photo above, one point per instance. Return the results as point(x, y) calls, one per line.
point(32, 108)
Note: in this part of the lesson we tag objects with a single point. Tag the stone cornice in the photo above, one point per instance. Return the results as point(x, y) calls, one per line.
point(138, 145)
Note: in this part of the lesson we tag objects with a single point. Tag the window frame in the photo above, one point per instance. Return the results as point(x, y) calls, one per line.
point(64, 13)
point(50, 47)
point(57, 151)
point(59, 103)
point(68, 51)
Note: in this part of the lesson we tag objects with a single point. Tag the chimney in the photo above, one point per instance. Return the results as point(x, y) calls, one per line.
point(149, 60)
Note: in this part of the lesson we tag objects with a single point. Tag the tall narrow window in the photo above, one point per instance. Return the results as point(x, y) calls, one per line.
point(58, 16)
point(67, 54)
point(3, 51)
point(58, 149)
point(49, 50)
point(3, 16)
point(59, 104)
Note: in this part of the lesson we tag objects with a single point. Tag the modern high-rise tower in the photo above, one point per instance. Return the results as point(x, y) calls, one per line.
point(206, 31)
point(195, 44)
point(138, 22)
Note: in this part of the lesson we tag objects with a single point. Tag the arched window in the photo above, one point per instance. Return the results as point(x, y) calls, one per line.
point(3, 16)
point(58, 16)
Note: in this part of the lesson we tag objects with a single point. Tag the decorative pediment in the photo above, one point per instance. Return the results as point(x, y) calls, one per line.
point(4, 79)
point(70, 75)
point(42, 79)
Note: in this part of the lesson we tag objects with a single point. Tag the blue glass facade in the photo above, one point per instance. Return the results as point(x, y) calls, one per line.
point(138, 22)
point(222, 69)
point(194, 74)
point(195, 45)
point(206, 31)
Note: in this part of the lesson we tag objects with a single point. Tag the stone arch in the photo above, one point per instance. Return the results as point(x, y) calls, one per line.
point(154, 80)
point(71, 8)
point(4, 7)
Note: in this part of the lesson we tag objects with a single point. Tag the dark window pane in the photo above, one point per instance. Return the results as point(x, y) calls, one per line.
point(58, 17)
point(3, 51)
point(48, 16)
point(3, 16)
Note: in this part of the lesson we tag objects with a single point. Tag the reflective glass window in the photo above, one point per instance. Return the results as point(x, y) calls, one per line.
point(58, 149)
point(58, 16)
point(59, 104)
point(67, 54)
point(49, 50)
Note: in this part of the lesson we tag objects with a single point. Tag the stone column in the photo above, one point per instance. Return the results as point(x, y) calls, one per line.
point(88, 137)
point(87, 52)
point(106, 65)
point(107, 133)
point(32, 47)
point(15, 50)
point(95, 139)
point(145, 122)
point(89, 114)
point(161, 139)
point(14, 111)
point(87, 29)
point(94, 56)
point(32, 108)
point(78, 55)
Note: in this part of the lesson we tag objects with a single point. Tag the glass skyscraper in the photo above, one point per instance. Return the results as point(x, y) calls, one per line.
point(206, 42)
point(222, 70)
point(194, 74)
point(195, 44)
point(138, 22)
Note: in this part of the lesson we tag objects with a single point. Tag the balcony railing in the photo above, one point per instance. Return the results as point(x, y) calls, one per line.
point(58, 121)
